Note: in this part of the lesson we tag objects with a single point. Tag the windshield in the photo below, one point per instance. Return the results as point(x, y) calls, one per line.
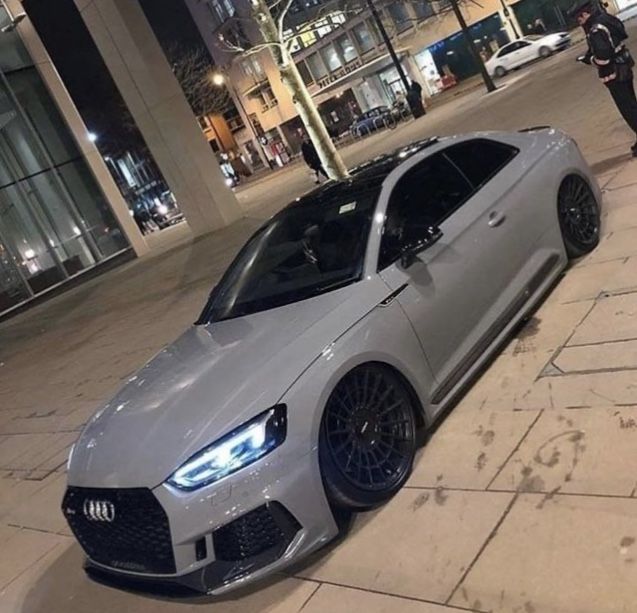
point(534, 37)
point(312, 247)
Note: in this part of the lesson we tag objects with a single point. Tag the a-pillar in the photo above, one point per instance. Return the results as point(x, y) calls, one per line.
point(160, 110)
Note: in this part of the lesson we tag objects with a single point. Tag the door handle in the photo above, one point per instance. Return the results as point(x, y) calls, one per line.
point(496, 218)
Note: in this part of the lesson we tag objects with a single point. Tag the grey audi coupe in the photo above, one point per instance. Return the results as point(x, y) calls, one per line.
point(338, 335)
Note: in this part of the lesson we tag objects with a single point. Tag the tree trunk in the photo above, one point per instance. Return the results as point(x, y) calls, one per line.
point(330, 157)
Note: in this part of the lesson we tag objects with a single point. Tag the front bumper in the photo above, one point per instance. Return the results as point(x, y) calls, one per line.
point(238, 530)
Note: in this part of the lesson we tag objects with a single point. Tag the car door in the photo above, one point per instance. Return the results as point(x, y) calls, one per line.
point(526, 52)
point(453, 291)
point(506, 54)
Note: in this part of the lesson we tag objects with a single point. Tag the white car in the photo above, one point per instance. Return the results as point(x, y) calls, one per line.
point(526, 50)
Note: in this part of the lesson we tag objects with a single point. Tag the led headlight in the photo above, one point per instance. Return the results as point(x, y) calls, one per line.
point(241, 447)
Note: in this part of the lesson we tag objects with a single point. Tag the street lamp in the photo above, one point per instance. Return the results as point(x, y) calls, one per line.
point(219, 80)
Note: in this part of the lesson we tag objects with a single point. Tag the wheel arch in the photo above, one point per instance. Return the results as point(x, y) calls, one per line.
point(384, 337)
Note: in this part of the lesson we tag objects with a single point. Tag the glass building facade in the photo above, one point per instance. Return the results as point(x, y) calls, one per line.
point(55, 222)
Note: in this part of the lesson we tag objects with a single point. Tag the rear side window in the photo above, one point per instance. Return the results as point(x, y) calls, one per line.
point(480, 160)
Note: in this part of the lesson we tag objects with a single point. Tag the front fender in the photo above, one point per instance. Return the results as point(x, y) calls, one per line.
point(384, 335)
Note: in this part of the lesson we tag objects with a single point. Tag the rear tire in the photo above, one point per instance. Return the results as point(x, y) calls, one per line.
point(579, 216)
point(500, 72)
point(545, 52)
point(368, 438)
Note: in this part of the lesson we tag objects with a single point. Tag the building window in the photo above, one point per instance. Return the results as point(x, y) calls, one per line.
point(400, 16)
point(348, 51)
point(305, 73)
point(221, 10)
point(267, 99)
point(423, 9)
point(317, 66)
point(252, 68)
point(364, 37)
point(331, 58)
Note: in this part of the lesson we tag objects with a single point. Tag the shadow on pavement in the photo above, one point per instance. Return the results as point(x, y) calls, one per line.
point(65, 588)
point(604, 166)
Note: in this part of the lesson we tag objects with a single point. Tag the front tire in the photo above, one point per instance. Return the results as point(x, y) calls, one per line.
point(545, 52)
point(579, 216)
point(368, 438)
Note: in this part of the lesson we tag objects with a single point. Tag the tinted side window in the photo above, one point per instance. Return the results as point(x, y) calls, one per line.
point(506, 50)
point(425, 196)
point(480, 160)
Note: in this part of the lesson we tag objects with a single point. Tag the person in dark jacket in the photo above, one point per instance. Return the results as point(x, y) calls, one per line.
point(312, 159)
point(606, 38)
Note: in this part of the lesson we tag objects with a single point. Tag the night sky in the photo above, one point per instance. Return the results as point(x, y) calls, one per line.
point(84, 73)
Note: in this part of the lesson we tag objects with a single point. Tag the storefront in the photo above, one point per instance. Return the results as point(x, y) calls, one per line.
point(55, 223)
point(450, 60)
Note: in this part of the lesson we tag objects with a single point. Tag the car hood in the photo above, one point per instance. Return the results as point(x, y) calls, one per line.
point(209, 381)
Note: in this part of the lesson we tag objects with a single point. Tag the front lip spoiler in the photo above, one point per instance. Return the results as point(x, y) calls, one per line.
point(216, 576)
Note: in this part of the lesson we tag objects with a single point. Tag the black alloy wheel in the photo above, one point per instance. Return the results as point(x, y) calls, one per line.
point(579, 216)
point(368, 438)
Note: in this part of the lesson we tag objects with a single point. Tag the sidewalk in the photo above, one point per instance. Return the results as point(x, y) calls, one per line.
point(524, 500)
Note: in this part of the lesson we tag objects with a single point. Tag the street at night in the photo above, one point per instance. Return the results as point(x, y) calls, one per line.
point(523, 498)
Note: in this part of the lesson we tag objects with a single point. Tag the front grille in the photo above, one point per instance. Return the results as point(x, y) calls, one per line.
point(269, 527)
point(137, 537)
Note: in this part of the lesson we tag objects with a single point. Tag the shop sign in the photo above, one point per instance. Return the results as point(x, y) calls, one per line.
point(340, 72)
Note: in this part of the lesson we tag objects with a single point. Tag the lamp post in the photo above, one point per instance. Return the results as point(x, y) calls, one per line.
point(416, 106)
point(219, 79)
point(506, 11)
point(486, 77)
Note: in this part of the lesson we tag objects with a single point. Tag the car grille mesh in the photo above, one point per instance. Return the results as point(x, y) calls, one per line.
point(255, 532)
point(138, 537)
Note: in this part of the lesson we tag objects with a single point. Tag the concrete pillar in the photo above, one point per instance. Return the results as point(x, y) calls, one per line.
point(65, 105)
point(160, 110)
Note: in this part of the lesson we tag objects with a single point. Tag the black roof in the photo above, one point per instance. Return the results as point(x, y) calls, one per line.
point(366, 176)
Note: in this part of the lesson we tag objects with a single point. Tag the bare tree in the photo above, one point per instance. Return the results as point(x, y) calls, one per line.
point(269, 17)
point(193, 69)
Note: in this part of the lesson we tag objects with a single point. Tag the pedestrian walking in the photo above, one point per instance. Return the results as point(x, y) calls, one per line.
point(540, 27)
point(312, 159)
point(414, 97)
point(606, 36)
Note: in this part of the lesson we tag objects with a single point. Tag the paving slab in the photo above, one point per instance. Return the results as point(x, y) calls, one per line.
point(23, 549)
point(571, 555)
point(588, 451)
point(469, 448)
point(337, 599)
point(602, 389)
point(550, 326)
point(587, 282)
point(416, 546)
point(41, 510)
point(612, 319)
point(624, 280)
point(616, 245)
point(627, 175)
point(620, 209)
point(59, 585)
point(618, 355)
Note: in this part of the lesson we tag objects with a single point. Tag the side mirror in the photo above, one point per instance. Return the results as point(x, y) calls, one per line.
point(408, 253)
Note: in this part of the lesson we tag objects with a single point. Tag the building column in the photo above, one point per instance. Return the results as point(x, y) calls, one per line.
point(65, 105)
point(160, 110)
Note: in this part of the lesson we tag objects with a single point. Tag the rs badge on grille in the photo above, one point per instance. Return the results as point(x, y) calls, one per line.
point(99, 510)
